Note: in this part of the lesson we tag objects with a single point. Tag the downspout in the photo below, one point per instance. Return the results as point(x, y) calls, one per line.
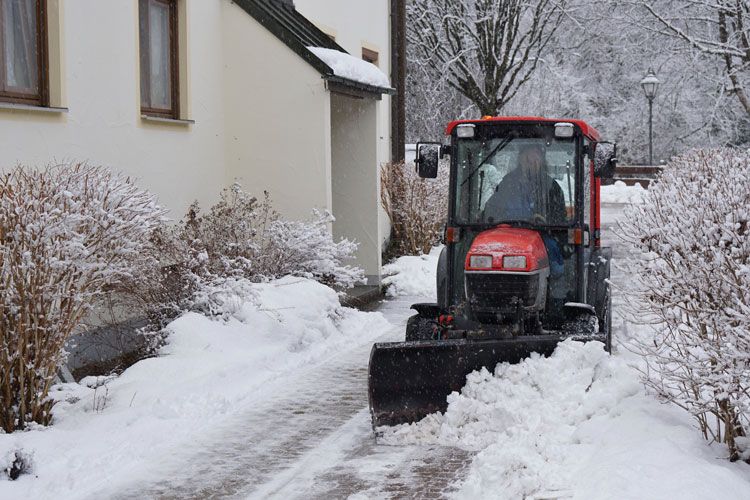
point(398, 79)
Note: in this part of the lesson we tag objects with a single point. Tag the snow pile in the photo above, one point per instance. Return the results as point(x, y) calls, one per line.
point(351, 68)
point(575, 425)
point(108, 431)
point(619, 192)
point(414, 276)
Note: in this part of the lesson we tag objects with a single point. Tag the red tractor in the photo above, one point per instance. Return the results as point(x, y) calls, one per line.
point(522, 268)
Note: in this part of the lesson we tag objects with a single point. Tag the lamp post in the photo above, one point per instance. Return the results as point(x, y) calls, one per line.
point(650, 85)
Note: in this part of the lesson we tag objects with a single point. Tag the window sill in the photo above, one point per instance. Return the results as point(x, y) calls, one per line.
point(170, 121)
point(10, 106)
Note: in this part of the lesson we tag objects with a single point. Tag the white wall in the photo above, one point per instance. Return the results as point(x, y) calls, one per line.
point(277, 112)
point(103, 126)
point(355, 181)
point(262, 114)
point(356, 24)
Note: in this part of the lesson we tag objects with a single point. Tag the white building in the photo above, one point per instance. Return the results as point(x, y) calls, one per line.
point(189, 95)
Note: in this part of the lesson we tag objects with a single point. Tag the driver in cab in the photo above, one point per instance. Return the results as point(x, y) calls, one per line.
point(528, 193)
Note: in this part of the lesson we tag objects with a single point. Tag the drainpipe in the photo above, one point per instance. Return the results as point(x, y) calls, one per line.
point(398, 79)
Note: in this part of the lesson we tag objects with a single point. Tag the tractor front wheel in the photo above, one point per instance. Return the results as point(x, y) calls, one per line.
point(419, 328)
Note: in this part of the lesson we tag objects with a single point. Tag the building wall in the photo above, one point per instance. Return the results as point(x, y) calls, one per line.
point(261, 114)
point(277, 113)
point(356, 24)
point(355, 192)
point(99, 42)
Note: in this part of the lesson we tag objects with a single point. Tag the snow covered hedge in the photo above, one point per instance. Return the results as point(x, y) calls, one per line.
point(244, 236)
point(68, 232)
point(416, 207)
point(239, 239)
point(692, 280)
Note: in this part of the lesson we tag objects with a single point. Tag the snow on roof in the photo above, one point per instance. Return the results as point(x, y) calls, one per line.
point(352, 68)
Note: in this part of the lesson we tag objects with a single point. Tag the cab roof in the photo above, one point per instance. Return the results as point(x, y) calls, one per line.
point(587, 130)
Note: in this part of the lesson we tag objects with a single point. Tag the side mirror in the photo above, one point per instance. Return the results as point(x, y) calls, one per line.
point(605, 160)
point(428, 155)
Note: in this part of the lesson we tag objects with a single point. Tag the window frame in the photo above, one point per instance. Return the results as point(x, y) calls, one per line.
point(371, 56)
point(41, 98)
point(174, 57)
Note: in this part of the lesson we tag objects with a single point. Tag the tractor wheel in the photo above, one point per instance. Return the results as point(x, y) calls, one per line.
point(419, 328)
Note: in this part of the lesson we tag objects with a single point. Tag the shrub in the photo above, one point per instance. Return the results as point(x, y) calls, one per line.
point(241, 236)
point(68, 232)
point(416, 207)
point(692, 280)
point(204, 263)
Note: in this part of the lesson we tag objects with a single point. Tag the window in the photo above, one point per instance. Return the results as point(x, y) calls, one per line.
point(23, 72)
point(370, 56)
point(159, 58)
point(515, 177)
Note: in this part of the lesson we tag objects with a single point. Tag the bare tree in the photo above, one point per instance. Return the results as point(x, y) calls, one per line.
point(718, 29)
point(486, 49)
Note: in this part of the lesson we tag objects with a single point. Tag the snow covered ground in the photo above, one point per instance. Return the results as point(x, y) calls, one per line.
point(210, 370)
point(619, 192)
point(271, 402)
point(576, 425)
point(412, 275)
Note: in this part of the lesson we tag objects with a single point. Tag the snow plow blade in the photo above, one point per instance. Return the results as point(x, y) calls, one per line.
point(410, 380)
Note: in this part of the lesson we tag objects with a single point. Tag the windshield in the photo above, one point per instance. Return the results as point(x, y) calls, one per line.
point(511, 178)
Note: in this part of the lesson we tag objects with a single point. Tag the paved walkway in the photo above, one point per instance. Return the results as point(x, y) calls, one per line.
point(311, 438)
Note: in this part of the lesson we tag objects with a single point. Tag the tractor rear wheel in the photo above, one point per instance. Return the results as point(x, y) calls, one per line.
point(419, 328)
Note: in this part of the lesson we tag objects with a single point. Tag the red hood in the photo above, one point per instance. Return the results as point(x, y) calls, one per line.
point(507, 241)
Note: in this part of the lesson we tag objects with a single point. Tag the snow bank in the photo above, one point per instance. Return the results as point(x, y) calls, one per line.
point(351, 68)
point(619, 192)
point(575, 425)
point(412, 275)
point(209, 370)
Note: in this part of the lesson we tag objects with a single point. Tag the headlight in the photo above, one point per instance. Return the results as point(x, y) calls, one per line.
point(514, 262)
point(465, 131)
point(480, 262)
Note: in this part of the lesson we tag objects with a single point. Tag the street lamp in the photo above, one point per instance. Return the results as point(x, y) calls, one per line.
point(650, 86)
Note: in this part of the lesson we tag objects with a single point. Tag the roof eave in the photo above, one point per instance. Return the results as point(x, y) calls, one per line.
point(359, 87)
point(283, 34)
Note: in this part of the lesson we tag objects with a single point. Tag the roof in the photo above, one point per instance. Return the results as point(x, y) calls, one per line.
point(298, 33)
point(586, 129)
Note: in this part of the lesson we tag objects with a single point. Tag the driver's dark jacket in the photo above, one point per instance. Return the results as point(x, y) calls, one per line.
point(520, 197)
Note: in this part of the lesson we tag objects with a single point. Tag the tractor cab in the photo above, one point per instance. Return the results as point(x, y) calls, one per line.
point(522, 268)
point(523, 173)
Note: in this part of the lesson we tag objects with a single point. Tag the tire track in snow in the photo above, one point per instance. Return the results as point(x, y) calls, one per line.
point(310, 439)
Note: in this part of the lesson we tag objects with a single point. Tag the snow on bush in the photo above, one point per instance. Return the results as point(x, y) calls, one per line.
point(575, 425)
point(691, 278)
point(416, 207)
point(241, 236)
point(67, 233)
point(414, 276)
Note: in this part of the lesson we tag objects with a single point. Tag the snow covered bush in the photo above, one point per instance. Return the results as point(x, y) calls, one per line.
point(241, 236)
point(172, 274)
point(416, 207)
point(691, 279)
point(68, 232)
